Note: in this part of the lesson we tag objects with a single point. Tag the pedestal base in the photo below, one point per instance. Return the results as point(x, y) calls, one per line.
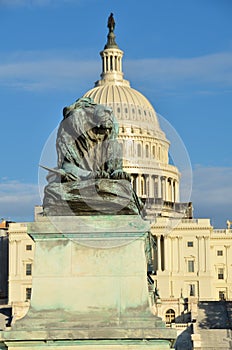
point(90, 288)
point(91, 345)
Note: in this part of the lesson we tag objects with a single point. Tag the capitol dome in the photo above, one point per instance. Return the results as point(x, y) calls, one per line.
point(144, 145)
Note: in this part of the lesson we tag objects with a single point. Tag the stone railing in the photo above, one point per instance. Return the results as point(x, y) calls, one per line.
point(222, 231)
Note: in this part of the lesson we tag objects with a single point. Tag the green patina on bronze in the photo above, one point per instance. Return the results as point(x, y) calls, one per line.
point(89, 178)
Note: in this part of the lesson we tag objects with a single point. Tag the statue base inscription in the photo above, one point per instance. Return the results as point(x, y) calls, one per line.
point(89, 288)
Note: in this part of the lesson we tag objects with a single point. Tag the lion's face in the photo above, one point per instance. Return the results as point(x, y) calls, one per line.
point(103, 117)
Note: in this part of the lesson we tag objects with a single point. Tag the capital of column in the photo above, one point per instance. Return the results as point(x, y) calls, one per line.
point(199, 237)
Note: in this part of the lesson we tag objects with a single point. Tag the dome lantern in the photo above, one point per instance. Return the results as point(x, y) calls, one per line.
point(111, 59)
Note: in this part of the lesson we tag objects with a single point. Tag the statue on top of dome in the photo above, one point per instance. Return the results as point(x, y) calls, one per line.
point(111, 22)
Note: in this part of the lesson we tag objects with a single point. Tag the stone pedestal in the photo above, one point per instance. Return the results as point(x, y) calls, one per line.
point(89, 288)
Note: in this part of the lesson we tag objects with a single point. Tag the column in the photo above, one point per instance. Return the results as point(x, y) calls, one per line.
point(180, 254)
point(166, 189)
point(227, 247)
point(159, 187)
point(172, 191)
point(175, 259)
point(177, 193)
point(207, 254)
point(135, 184)
point(200, 254)
point(172, 262)
point(146, 186)
point(18, 259)
point(149, 187)
point(163, 187)
point(158, 253)
point(169, 196)
point(138, 185)
point(13, 258)
point(153, 190)
point(166, 254)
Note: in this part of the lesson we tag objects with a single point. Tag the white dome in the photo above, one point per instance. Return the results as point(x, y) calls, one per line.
point(129, 105)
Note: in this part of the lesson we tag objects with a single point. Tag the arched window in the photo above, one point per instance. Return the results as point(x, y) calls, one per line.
point(139, 150)
point(153, 151)
point(147, 151)
point(170, 316)
point(159, 153)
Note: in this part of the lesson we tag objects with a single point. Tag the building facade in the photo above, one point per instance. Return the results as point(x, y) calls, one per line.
point(21, 256)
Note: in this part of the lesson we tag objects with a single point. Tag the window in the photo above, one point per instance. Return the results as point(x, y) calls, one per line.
point(147, 151)
point(170, 316)
point(28, 269)
point(28, 247)
point(222, 295)
point(153, 151)
point(192, 292)
point(219, 252)
point(190, 244)
point(118, 110)
point(139, 150)
point(28, 293)
point(221, 274)
point(190, 265)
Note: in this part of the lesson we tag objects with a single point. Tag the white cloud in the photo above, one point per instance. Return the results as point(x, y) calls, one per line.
point(212, 193)
point(46, 73)
point(214, 68)
point(46, 70)
point(17, 199)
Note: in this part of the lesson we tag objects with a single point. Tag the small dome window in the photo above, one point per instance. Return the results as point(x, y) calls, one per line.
point(133, 110)
point(145, 113)
point(153, 151)
point(118, 110)
point(126, 110)
point(147, 151)
point(139, 111)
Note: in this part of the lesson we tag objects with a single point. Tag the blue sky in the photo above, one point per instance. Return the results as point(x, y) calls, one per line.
point(178, 53)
